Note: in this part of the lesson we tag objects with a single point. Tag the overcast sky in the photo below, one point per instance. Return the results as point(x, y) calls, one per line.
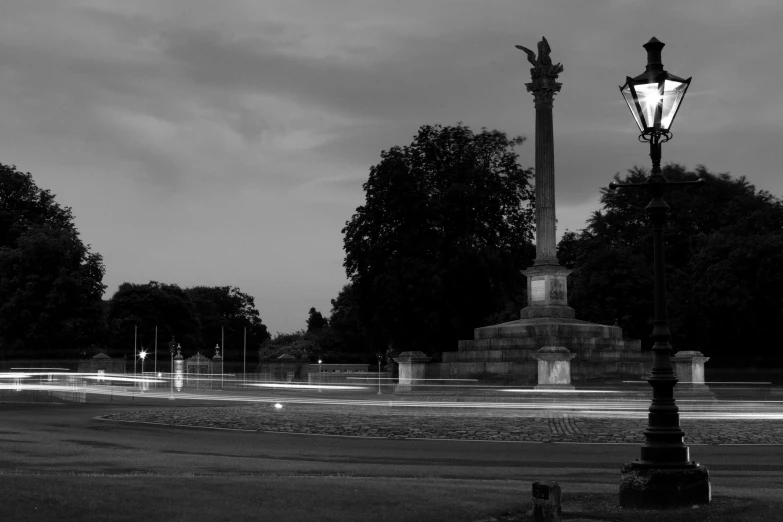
point(226, 142)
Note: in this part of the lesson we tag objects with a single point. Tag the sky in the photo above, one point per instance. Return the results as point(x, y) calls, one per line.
point(226, 142)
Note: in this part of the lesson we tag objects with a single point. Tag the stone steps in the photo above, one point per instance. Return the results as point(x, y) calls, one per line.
point(574, 344)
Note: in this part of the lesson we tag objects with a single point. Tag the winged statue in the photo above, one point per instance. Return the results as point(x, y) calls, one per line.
point(542, 65)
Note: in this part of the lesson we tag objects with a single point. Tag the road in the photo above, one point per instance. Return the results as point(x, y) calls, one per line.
point(68, 438)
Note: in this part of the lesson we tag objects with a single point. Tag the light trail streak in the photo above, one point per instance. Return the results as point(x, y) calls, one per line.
point(265, 392)
point(306, 386)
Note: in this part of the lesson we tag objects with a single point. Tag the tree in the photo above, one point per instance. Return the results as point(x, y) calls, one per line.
point(345, 321)
point(724, 263)
point(315, 321)
point(136, 309)
point(50, 283)
point(297, 344)
point(196, 316)
point(438, 245)
point(229, 311)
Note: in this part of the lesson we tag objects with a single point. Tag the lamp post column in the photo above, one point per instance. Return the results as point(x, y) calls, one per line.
point(663, 436)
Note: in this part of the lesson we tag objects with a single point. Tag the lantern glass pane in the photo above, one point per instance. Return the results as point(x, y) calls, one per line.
point(649, 99)
point(672, 96)
point(628, 95)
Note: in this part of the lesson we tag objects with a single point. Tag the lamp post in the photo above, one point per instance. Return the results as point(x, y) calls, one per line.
point(380, 356)
point(142, 356)
point(665, 475)
point(319, 375)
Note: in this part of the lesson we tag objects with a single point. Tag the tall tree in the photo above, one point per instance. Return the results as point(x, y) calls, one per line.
point(345, 321)
point(724, 263)
point(228, 310)
point(437, 247)
point(50, 283)
point(315, 321)
point(141, 307)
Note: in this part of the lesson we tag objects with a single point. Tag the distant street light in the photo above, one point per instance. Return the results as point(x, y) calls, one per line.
point(665, 475)
point(380, 357)
point(142, 356)
point(319, 375)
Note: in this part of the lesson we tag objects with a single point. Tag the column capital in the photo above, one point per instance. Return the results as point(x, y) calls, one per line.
point(544, 89)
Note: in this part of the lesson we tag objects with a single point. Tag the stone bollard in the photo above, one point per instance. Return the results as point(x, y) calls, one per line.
point(411, 370)
point(546, 502)
point(554, 368)
point(689, 368)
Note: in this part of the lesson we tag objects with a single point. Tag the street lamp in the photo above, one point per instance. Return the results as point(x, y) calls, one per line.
point(380, 357)
point(142, 356)
point(319, 375)
point(665, 475)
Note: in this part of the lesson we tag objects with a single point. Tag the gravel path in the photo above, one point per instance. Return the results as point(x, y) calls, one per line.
point(430, 423)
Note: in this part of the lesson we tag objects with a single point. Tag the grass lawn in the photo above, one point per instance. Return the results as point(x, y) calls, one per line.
point(322, 498)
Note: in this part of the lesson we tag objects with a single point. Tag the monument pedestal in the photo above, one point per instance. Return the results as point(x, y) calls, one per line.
point(547, 290)
point(554, 368)
point(688, 366)
point(411, 370)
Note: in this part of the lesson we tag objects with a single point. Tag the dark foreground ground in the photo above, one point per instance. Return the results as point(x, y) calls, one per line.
point(61, 462)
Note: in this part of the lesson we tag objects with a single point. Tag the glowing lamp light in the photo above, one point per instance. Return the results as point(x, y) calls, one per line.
point(278, 406)
point(654, 97)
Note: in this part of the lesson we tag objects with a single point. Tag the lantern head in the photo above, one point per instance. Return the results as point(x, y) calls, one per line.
point(655, 95)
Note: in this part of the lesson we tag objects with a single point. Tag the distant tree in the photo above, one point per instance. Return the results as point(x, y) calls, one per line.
point(345, 321)
point(315, 321)
point(226, 309)
point(437, 247)
point(142, 307)
point(50, 283)
point(297, 344)
point(724, 263)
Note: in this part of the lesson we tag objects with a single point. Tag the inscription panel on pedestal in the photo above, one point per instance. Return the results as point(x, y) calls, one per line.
point(537, 288)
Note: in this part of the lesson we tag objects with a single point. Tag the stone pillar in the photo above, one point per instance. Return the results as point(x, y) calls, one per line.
point(411, 370)
point(217, 365)
point(179, 369)
point(546, 279)
point(554, 368)
point(544, 89)
point(688, 366)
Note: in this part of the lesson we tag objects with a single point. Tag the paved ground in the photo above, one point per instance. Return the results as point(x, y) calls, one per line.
point(401, 422)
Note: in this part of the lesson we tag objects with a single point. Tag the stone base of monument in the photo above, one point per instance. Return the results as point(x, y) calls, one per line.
point(506, 353)
point(411, 370)
point(554, 368)
point(646, 487)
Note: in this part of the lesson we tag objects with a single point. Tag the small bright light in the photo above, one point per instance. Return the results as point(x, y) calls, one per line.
point(278, 406)
point(319, 361)
point(160, 374)
point(143, 354)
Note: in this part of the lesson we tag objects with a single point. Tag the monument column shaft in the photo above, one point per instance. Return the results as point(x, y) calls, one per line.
point(546, 253)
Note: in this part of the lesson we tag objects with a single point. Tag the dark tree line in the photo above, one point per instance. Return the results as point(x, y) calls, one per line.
point(724, 264)
point(435, 251)
point(199, 317)
point(51, 290)
point(50, 283)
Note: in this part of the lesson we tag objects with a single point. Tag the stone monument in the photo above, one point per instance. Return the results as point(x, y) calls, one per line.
point(506, 351)
point(554, 368)
point(688, 366)
point(411, 370)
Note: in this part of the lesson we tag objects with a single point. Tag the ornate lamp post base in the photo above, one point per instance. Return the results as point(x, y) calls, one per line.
point(652, 486)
